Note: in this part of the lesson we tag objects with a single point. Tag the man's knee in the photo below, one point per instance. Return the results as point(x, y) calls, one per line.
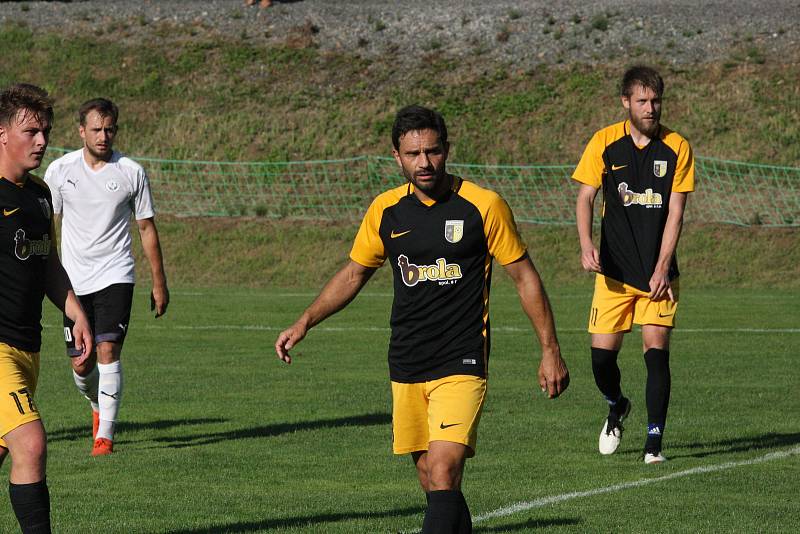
point(108, 352)
point(30, 449)
point(444, 476)
point(86, 367)
point(27, 445)
point(655, 337)
point(445, 462)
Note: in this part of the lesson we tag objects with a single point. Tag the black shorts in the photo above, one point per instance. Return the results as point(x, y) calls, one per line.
point(108, 310)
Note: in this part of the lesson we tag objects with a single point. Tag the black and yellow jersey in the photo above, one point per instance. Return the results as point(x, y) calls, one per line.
point(637, 183)
point(441, 257)
point(26, 231)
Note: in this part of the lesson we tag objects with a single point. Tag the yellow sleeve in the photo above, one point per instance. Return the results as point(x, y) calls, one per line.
point(368, 247)
point(502, 236)
point(683, 182)
point(591, 168)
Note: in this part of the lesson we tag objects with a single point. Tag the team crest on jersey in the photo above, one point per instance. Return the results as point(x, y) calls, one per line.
point(112, 186)
point(453, 231)
point(45, 207)
point(442, 272)
point(660, 168)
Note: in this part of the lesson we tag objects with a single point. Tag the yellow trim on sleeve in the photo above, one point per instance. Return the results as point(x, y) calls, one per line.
point(502, 237)
point(368, 249)
point(591, 167)
point(683, 181)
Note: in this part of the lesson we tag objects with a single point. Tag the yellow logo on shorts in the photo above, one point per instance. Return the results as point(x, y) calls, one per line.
point(442, 272)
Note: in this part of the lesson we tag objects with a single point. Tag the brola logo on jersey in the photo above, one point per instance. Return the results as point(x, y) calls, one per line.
point(24, 248)
point(647, 199)
point(442, 272)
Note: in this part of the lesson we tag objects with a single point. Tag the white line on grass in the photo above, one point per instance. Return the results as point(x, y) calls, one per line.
point(269, 328)
point(555, 499)
point(291, 294)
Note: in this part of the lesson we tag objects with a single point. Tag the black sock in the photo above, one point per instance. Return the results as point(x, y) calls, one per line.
point(657, 395)
point(31, 504)
point(443, 515)
point(465, 526)
point(606, 374)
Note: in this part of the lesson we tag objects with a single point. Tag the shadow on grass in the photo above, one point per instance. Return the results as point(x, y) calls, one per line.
point(742, 444)
point(308, 522)
point(273, 430)
point(81, 432)
point(532, 524)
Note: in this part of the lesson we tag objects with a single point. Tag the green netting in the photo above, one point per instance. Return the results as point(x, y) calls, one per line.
point(727, 191)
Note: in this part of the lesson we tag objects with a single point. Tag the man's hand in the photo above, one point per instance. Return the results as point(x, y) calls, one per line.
point(288, 339)
point(159, 300)
point(82, 334)
point(590, 259)
point(660, 287)
point(553, 374)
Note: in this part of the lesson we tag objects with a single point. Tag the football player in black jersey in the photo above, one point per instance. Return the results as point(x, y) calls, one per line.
point(440, 234)
point(646, 172)
point(29, 270)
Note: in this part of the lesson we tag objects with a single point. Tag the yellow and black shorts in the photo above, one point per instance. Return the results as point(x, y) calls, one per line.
point(447, 409)
point(19, 372)
point(616, 306)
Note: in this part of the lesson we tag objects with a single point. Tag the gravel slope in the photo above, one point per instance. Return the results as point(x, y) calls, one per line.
point(519, 33)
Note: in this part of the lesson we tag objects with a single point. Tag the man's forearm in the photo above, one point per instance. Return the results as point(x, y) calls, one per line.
point(584, 214)
point(340, 290)
point(152, 251)
point(534, 301)
point(672, 233)
point(57, 286)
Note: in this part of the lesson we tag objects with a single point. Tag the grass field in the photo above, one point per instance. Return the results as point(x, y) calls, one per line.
point(218, 436)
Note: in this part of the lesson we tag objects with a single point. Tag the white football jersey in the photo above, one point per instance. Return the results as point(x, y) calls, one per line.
point(96, 208)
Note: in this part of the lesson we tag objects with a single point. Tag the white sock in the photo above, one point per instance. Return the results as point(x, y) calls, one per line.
point(87, 385)
point(110, 393)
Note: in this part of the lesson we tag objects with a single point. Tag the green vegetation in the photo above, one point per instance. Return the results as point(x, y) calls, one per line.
point(216, 435)
point(191, 97)
point(600, 22)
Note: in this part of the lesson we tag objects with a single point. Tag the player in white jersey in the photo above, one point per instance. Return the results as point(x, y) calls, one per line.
point(96, 190)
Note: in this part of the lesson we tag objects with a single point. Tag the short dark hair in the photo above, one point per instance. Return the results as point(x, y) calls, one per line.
point(414, 117)
point(24, 97)
point(640, 75)
point(103, 106)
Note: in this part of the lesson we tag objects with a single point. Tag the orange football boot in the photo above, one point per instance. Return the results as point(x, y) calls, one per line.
point(102, 446)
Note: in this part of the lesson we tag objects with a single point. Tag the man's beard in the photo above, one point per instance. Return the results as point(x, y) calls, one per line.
point(650, 129)
point(99, 155)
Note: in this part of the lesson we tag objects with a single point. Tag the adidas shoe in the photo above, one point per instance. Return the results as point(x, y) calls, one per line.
point(654, 457)
point(611, 435)
point(102, 446)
